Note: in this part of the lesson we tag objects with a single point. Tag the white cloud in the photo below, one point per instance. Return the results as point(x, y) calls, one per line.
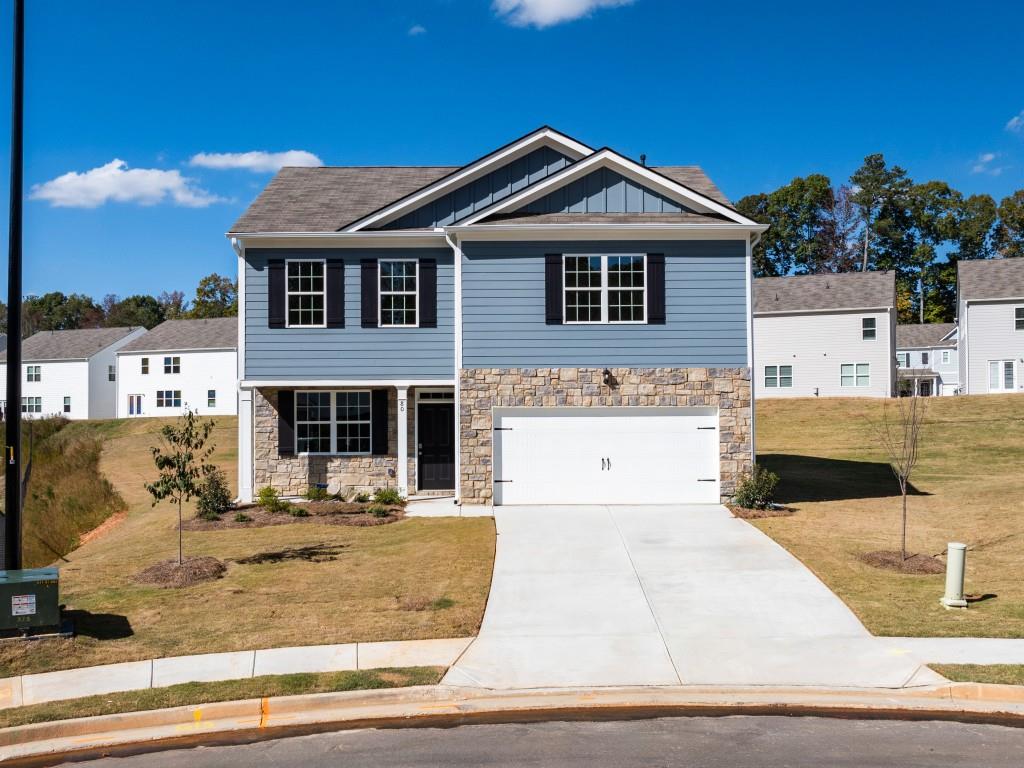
point(116, 182)
point(1016, 123)
point(417, 29)
point(547, 13)
point(984, 164)
point(257, 162)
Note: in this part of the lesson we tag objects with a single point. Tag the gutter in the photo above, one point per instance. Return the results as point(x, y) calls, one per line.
point(643, 227)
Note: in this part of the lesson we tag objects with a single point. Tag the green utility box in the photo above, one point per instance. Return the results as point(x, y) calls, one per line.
point(28, 599)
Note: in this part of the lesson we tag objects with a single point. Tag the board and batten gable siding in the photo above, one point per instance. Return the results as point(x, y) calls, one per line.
point(603, 191)
point(503, 310)
point(477, 195)
point(816, 344)
point(352, 352)
point(991, 335)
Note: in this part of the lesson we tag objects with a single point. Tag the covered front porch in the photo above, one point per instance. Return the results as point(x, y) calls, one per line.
point(917, 382)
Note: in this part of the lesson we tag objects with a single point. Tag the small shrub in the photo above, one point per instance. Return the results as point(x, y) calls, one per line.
point(387, 496)
point(757, 489)
point(378, 510)
point(296, 510)
point(214, 496)
point(441, 603)
point(362, 497)
point(269, 499)
point(241, 517)
point(316, 493)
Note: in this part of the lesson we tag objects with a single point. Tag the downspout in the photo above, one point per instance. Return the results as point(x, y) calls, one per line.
point(752, 244)
point(457, 258)
point(246, 443)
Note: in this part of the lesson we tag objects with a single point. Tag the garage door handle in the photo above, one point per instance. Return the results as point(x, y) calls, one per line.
point(609, 463)
point(602, 465)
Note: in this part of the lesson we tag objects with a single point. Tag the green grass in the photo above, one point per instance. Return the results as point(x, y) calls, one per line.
point(191, 694)
point(1002, 674)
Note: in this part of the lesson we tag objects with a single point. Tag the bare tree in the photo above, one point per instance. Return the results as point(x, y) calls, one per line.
point(900, 436)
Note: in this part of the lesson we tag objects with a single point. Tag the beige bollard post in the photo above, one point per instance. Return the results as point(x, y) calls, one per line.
point(956, 555)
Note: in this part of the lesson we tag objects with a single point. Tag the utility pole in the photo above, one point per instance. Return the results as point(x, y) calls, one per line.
point(12, 417)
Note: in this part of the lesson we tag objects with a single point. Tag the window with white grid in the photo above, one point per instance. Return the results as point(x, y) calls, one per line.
point(305, 294)
point(605, 288)
point(352, 422)
point(626, 289)
point(333, 422)
point(398, 292)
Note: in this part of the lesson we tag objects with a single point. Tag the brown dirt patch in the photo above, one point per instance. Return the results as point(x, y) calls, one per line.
point(319, 512)
point(194, 570)
point(891, 560)
point(105, 527)
point(757, 514)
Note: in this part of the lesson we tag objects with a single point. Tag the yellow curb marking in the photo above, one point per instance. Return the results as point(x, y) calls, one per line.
point(264, 711)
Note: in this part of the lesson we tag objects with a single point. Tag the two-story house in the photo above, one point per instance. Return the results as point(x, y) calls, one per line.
point(180, 364)
point(549, 323)
point(830, 335)
point(926, 359)
point(69, 373)
point(990, 315)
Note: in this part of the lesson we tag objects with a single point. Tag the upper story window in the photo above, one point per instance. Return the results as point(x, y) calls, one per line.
point(945, 356)
point(903, 359)
point(145, 365)
point(1018, 318)
point(305, 294)
point(924, 358)
point(867, 328)
point(855, 374)
point(605, 289)
point(111, 373)
point(33, 373)
point(398, 292)
point(778, 376)
point(172, 365)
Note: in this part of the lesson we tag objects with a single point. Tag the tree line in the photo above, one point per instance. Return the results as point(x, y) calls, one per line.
point(215, 296)
point(883, 220)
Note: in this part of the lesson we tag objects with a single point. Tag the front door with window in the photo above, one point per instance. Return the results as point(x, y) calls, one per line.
point(436, 448)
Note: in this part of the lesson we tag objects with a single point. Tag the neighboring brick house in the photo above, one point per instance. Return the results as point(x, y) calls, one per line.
point(926, 359)
point(990, 316)
point(548, 324)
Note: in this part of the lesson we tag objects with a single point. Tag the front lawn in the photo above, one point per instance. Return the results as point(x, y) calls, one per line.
point(969, 488)
point(1001, 674)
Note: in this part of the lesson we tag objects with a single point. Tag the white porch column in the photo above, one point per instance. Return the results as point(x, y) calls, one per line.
point(403, 441)
point(245, 447)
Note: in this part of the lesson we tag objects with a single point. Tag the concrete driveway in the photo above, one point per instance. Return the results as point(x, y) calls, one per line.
point(663, 595)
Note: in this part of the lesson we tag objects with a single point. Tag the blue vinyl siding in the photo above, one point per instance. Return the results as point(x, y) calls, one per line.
point(603, 191)
point(351, 352)
point(705, 302)
point(478, 194)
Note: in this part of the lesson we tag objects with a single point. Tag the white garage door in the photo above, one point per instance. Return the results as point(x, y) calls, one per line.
point(605, 455)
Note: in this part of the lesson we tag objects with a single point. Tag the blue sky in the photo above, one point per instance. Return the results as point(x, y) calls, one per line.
point(756, 94)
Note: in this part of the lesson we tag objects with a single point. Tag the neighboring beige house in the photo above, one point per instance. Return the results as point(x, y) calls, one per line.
point(990, 314)
point(825, 335)
point(927, 360)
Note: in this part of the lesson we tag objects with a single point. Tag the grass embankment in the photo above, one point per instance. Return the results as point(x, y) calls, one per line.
point(1000, 674)
point(67, 496)
point(969, 485)
point(414, 579)
point(191, 694)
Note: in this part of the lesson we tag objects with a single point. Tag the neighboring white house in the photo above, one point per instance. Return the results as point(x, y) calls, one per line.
point(926, 357)
point(825, 335)
point(69, 373)
point(180, 364)
point(990, 315)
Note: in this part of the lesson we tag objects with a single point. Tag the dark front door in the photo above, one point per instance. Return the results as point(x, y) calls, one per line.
point(436, 449)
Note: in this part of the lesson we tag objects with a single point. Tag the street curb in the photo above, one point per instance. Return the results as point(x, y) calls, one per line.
point(440, 705)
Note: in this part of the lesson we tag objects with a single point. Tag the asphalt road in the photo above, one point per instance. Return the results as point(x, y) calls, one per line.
point(729, 742)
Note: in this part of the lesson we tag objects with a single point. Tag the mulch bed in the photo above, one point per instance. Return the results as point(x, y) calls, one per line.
point(318, 512)
point(193, 570)
point(757, 514)
point(891, 560)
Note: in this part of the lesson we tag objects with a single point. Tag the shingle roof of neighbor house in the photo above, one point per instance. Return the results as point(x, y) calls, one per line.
point(329, 198)
point(918, 335)
point(990, 278)
point(68, 345)
point(849, 290)
point(181, 335)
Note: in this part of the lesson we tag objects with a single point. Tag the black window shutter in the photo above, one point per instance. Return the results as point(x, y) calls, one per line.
point(656, 288)
point(276, 299)
point(379, 425)
point(553, 288)
point(335, 284)
point(428, 293)
point(286, 423)
point(368, 292)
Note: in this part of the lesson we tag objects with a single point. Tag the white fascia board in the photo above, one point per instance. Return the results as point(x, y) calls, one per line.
point(398, 239)
point(473, 171)
point(605, 231)
point(607, 158)
point(342, 383)
point(836, 310)
point(996, 300)
point(175, 351)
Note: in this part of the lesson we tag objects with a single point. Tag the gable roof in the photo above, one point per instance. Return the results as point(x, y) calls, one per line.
point(181, 335)
point(990, 279)
point(924, 335)
point(69, 345)
point(803, 293)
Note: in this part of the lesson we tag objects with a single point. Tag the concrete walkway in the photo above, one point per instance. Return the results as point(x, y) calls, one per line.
point(664, 595)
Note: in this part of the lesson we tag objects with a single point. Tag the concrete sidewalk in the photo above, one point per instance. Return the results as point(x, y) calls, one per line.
point(669, 595)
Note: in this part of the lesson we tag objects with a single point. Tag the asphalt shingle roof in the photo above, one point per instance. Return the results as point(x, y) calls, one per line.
point(68, 345)
point(918, 336)
point(848, 290)
point(180, 335)
point(990, 278)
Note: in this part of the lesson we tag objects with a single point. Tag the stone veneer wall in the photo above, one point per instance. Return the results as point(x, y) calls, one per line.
point(293, 475)
point(482, 389)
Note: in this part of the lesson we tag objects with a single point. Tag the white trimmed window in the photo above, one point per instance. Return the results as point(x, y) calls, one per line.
point(67, 405)
point(925, 357)
point(1018, 318)
point(333, 422)
point(168, 398)
point(211, 398)
point(145, 366)
point(945, 356)
point(903, 359)
point(31, 405)
point(305, 294)
point(609, 288)
point(172, 365)
point(778, 376)
point(855, 374)
point(33, 373)
point(867, 328)
point(399, 279)
point(1002, 376)
point(111, 373)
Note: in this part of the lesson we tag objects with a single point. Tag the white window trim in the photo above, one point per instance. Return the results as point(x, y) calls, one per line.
point(855, 385)
point(288, 294)
point(381, 292)
point(33, 370)
point(144, 366)
point(778, 375)
point(1002, 375)
point(333, 422)
point(173, 398)
point(873, 329)
point(603, 290)
point(902, 360)
point(171, 364)
point(1016, 319)
point(945, 357)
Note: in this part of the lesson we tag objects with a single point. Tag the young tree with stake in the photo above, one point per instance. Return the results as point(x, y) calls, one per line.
point(900, 436)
